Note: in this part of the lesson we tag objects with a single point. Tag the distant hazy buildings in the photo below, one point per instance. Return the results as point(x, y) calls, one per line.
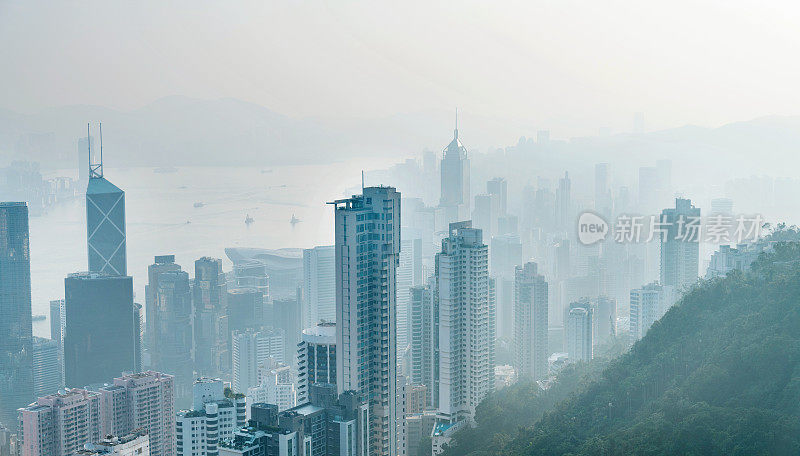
point(648, 304)
point(530, 322)
point(287, 316)
point(455, 196)
point(680, 247)
point(172, 338)
point(251, 349)
point(316, 359)
point(409, 274)
point(579, 332)
point(208, 300)
point(466, 372)
point(367, 236)
point(102, 332)
point(319, 285)
point(423, 322)
point(16, 338)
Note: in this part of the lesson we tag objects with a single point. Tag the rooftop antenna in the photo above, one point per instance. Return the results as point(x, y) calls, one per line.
point(362, 181)
point(95, 169)
point(101, 149)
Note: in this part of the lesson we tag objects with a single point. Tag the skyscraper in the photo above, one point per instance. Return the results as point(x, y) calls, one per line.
point(530, 322)
point(498, 188)
point(367, 256)
point(506, 254)
point(464, 345)
point(316, 359)
point(423, 326)
point(208, 303)
point(564, 203)
point(16, 332)
point(579, 332)
point(455, 198)
point(319, 285)
point(102, 328)
point(680, 246)
point(172, 327)
point(105, 224)
point(409, 274)
point(287, 316)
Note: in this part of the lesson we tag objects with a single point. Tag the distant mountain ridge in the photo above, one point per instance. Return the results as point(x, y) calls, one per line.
point(180, 131)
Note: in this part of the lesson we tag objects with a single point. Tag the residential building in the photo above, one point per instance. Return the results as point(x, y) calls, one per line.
point(423, 321)
point(680, 246)
point(530, 322)
point(60, 424)
point(47, 371)
point(316, 359)
point(648, 304)
point(136, 443)
point(216, 414)
point(579, 332)
point(367, 233)
point(465, 351)
point(251, 349)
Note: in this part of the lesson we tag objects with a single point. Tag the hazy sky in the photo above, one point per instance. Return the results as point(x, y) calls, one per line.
point(572, 66)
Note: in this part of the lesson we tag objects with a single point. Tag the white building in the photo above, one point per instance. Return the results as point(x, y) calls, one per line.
point(367, 231)
point(647, 305)
point(251, 349)
point(274, 387)
point(319, 285)
point(530, 322)
point(215, 417)
point(579, 332)
point(316, 359)
point(134, 444)
point(466, 374)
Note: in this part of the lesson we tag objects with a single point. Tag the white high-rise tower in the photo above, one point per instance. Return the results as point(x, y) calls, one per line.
point(367, 258)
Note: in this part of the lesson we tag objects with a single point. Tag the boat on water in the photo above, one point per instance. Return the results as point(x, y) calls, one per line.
point(199, 204)
point(248, 220)
point(294, 221)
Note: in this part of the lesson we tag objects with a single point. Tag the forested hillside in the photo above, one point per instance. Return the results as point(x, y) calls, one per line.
point(718, 374)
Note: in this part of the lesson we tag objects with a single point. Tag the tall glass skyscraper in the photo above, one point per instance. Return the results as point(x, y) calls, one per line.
point(16, 338)
point(102, 332)
point(105, 226)
point(367, 258)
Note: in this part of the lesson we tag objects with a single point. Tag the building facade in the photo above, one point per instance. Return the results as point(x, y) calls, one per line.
point(215, 416)
point(530, 322)
point(579, 332)
point(367, 233)
point(316, 359)
point(16, 331)
point(319, 285)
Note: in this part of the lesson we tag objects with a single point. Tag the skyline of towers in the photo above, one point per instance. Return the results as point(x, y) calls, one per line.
point(530, 322)
point(465, 351)
point(16, 330)
point(367, 234)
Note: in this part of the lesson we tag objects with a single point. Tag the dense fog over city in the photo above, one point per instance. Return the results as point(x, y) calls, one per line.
point(362, 228)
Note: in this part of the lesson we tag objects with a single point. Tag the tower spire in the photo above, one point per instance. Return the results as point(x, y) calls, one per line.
point(455, 132)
